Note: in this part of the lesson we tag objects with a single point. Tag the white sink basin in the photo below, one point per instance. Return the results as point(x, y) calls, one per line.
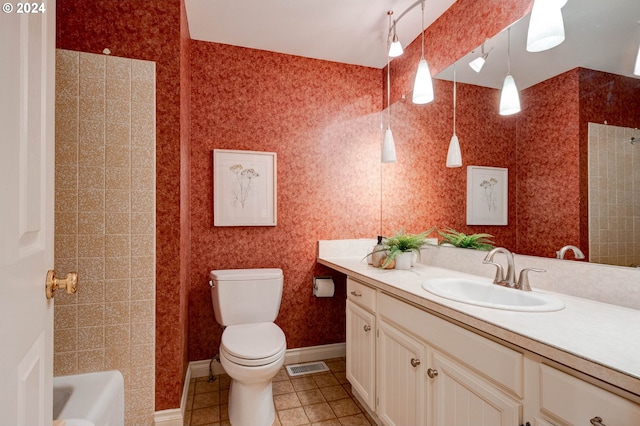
point(491, 295)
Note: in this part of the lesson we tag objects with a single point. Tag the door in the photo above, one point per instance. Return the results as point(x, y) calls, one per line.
point(27, 49)
point(461, 397)
point(400, 383)
point(361, 352)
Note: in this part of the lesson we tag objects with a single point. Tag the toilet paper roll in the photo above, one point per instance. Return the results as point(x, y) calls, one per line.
point(323, 287)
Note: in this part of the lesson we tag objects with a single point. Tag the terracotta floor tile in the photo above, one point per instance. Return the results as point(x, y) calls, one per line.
point(293, 417)
point(357, 420)
point(206, 415)
point(325, 380)
point(311, 396)
point(319, 412)
point(286, 400)
point(281, 387)
point(303, 383)
point(344, 407)
point(206, 399)
point(333, 393)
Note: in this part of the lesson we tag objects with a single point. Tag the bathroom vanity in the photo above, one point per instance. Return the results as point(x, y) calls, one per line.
point(414, 358)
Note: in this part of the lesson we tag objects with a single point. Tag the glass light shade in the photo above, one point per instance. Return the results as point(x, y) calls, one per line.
point(509, 97)
point(478, 63)
point(636, 71)
point(546, 27)
point(388, 147)
point(423, 85)
point(454, 156)
point(395, 49)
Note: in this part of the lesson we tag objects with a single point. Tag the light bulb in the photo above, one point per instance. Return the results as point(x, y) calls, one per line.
point(396, 47)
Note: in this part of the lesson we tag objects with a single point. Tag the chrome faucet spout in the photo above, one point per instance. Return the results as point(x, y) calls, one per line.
point(577, 253)
point(501, 278)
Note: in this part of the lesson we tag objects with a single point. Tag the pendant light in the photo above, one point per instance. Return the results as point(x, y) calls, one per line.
point(478, 62)
point(395, 49)
point(423, 85)
point(454, 156)
point(636, 70)
point(388, 144)
point(546, 27)
point(509, 98)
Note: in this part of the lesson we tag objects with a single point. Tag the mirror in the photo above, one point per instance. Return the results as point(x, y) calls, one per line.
point(587, 78)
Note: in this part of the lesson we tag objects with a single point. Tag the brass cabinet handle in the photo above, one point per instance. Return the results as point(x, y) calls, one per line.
point(415, 362)
point(69, 284)
point(432, 373)
point(597, 421)
point(356, 294)
point(367, 328)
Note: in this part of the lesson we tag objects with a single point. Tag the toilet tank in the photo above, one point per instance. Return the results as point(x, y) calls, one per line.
point(243, 296)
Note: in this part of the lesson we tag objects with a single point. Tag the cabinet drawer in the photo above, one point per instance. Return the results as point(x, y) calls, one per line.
point(361, 294)
point(495, 362)
point(575, 402)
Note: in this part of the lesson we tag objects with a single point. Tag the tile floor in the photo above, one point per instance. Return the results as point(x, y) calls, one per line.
point(322, 399)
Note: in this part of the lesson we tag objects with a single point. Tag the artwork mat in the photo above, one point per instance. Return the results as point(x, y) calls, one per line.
point(258, 205)
point(478, 199)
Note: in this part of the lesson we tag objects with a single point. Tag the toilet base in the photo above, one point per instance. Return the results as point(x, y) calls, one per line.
point(251, 404)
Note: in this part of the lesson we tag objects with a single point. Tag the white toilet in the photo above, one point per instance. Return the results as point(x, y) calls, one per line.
point(252, 348)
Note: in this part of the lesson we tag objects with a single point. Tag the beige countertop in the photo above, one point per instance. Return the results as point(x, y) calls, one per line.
point(594, 338)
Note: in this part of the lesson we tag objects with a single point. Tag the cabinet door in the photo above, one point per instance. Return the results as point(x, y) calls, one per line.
point(460, 397)
point(361, 352)
point(400, 385)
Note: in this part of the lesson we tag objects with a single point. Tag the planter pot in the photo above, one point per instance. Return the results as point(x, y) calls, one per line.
point(403, 260)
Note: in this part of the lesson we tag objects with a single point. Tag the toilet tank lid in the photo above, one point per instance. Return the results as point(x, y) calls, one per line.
point(246, 274)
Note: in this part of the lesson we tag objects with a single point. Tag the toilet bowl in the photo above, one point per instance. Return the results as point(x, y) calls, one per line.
point(252, 354)
point(252, 347)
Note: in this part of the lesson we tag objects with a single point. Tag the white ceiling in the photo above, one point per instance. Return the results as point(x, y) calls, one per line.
point(346, 31)
point(602, 35)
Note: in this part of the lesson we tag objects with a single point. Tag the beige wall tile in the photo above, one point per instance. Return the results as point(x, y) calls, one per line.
point(92, 131)
point(65, 316)
point(89, 290)
point(118, 156)
point(118, 68)
point(91, 222)
point(142, 332)
point(142, 156)
point(142, 179)
point(91, 315)
point(91, 245)
point(118, 267)
point(142, 310)
point(142, 267)
point(143, 245)
point(118, 357)
point(66, 152)
point(117, 312)
point(118, 133)
point(92, 88)
point(142, 288)
point(119, 111)
point(91, 200)
point(142, 355)
point(90, 338)
point(143, 201)
point(143, 71)
point(65, 363)
point(118, 200)
point(143, 136)
point(142, 223)
point(92, 64)
point(117, 223)
point(118, 290)
point(91, 154)
point(90, 361)
point(118, 178)
point(65, 340)
point(116, 334)
point(66, 245)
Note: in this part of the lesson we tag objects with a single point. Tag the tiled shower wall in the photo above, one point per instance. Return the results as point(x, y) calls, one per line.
point(614, 195)
point(105, 222)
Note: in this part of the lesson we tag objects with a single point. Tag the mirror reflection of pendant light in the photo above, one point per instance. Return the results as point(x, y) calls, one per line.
point(395, 49)
point(546, 27)
point(388, 144)
point(636, 70)
point(423, 85)
point(509, 98)
point(454, 156)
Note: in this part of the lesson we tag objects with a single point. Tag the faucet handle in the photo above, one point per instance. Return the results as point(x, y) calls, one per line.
point(523, 279)
point(499, 278)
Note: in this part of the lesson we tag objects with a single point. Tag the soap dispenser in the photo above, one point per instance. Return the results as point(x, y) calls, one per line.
point(378, 253)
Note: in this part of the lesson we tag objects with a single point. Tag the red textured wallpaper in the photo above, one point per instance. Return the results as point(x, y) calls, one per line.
point(548, 167)
point(322, 119)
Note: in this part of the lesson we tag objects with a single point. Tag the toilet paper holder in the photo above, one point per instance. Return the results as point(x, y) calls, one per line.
point(323, 286)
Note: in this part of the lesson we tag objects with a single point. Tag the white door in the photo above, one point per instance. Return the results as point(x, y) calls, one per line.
point(27, 52)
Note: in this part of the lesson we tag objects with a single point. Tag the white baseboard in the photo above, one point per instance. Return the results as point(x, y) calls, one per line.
point(174, 417)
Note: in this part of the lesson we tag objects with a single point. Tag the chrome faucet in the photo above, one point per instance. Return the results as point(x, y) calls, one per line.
point(577, 253)
point(508, 280)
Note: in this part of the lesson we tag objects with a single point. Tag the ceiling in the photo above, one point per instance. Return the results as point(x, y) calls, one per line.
point(599, 35)
point(346, 31)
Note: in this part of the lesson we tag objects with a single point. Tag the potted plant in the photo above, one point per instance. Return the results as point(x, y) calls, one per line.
point(462, 240)
point(401, 247)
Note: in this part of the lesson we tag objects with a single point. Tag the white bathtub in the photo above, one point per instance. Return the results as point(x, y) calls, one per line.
point(91, 399)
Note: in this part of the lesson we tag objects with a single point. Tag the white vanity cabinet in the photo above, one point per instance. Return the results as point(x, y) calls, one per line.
point(361, 340)
point(567, 400)
point(412, 367)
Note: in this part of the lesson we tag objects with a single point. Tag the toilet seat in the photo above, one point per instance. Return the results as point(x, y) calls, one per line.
point(253, 345)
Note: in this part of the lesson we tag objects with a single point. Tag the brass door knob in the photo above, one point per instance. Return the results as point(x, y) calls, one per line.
point(415, 362)
point(367, 328)
point(69, 284)
point(432, 373)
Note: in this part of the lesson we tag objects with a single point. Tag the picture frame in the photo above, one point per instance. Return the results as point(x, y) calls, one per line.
point(487, 195)
point(244, 188)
